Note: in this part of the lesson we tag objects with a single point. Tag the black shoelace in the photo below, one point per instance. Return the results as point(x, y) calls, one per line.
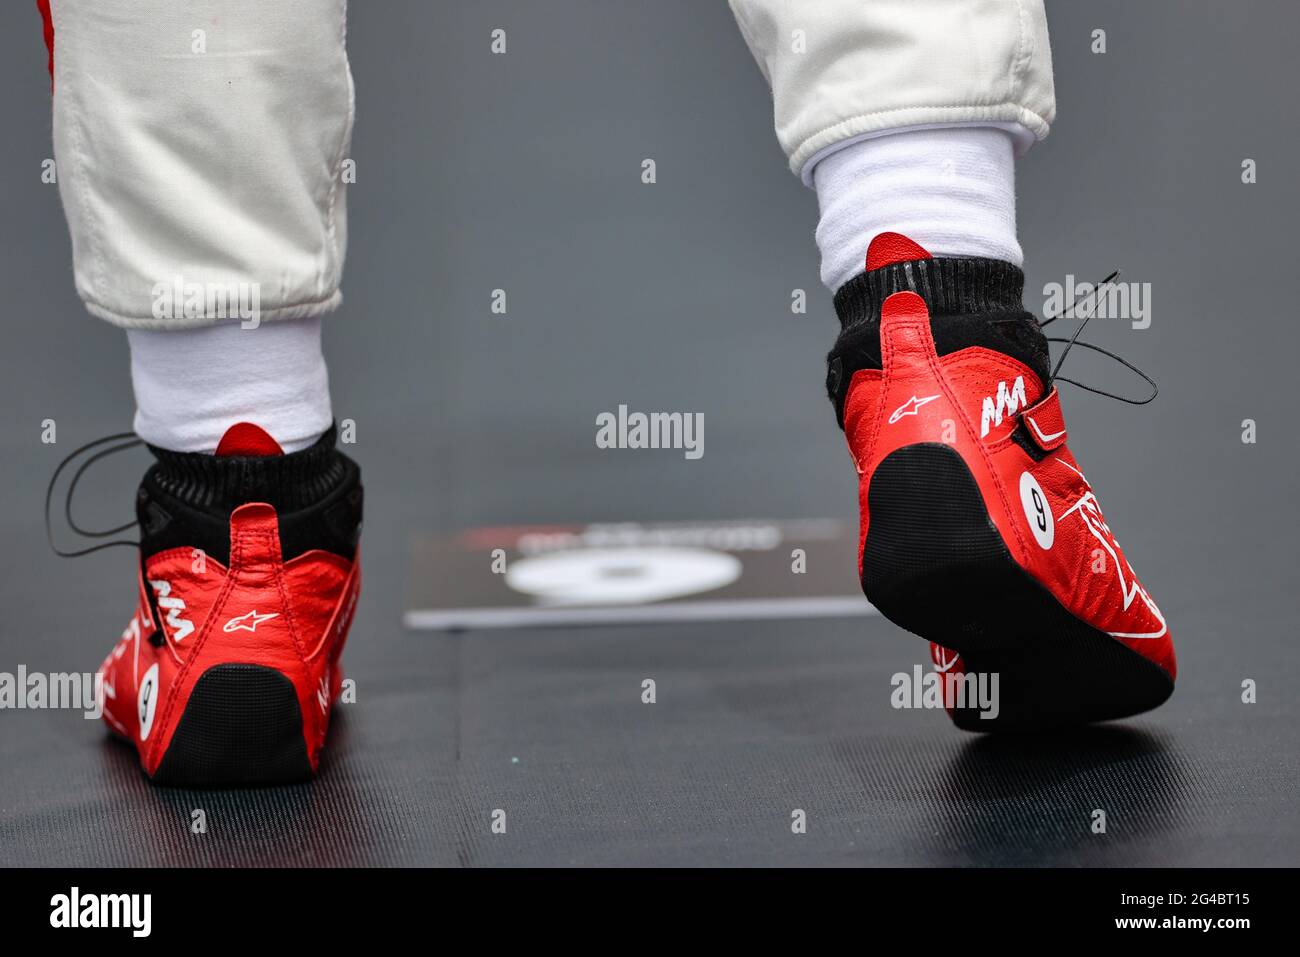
point(1071, 342)
point(124, 440)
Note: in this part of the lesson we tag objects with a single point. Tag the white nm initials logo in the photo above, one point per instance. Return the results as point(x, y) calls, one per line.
point(173, 606)
point(1009, 402)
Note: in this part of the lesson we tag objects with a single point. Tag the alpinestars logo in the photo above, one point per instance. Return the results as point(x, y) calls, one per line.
point(248, 621)
point(181, 627)
point(911, 407)
point(1007, 403)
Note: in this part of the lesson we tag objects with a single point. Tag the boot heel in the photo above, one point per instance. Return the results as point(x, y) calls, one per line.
point(932, 557)
point(241, 727)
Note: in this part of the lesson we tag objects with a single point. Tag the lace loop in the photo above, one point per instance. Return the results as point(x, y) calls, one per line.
point(1074, 340)
point(1155, 389)
point(126, 440)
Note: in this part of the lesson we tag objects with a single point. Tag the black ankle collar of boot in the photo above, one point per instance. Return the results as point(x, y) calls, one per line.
point(222, 483)
point(972, 302)
point(953, 286)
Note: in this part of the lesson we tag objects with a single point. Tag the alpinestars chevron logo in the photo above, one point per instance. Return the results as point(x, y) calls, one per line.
point(1007, 403)
point(249, 621)
point(173, 605)
point(910, 407)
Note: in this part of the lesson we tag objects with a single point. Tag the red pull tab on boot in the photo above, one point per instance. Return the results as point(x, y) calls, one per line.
point(254, 541)
point(906, 345)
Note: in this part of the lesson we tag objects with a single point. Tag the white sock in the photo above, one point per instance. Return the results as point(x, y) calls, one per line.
point(193, 384)
point(952, 190)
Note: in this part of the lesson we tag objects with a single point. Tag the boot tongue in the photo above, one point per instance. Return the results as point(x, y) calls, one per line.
point(249, 440)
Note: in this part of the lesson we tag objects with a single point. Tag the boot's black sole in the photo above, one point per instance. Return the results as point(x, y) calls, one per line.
point(242, 727)
point(935, 565)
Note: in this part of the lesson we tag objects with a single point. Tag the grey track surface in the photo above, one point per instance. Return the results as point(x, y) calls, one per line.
point(521, 172)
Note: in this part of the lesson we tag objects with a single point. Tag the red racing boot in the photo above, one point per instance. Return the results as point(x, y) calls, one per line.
point(979, 530)
point(248, 581)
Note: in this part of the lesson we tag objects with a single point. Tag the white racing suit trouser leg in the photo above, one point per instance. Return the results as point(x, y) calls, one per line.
point(200, 149)
point(848, 74)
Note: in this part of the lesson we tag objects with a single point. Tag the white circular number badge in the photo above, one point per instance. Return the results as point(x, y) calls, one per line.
point(1037, 511)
